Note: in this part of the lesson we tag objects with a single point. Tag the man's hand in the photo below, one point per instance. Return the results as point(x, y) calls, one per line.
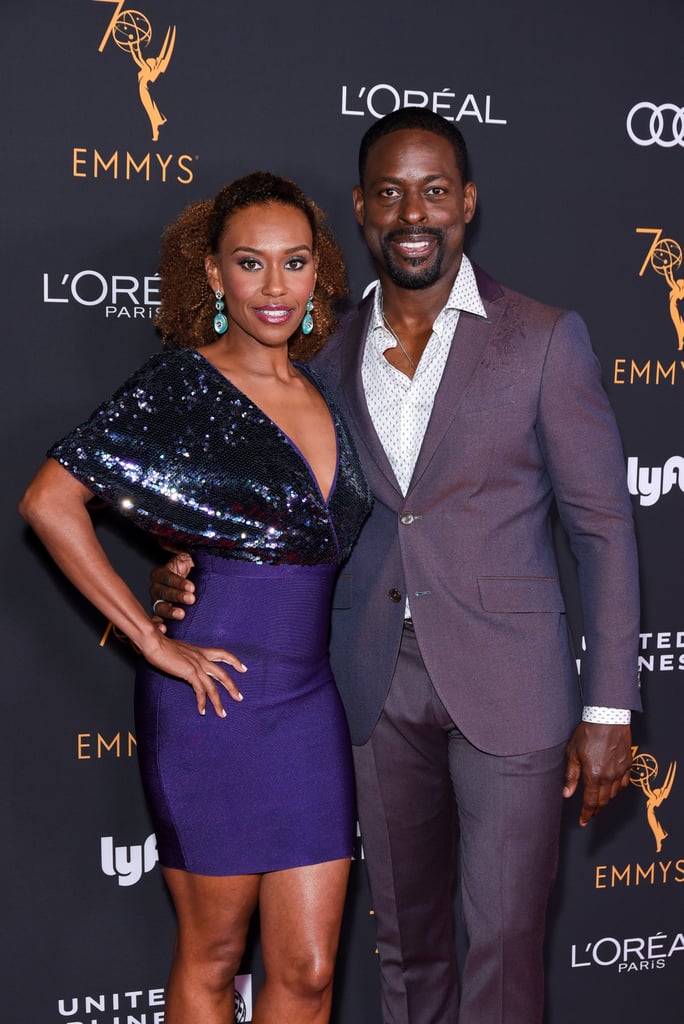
point(170, 588)
point(602, 756)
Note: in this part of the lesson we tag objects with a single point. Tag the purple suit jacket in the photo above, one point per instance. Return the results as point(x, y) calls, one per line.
point(520, 420)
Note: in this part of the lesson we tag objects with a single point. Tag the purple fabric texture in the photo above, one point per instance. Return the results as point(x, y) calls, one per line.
point(271, 785)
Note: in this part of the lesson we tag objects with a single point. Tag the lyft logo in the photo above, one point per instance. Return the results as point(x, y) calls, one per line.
point(128, 863)
point(650, 484)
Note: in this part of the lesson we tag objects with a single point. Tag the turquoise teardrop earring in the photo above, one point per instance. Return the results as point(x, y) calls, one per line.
point(308, 322)
point(220, 320)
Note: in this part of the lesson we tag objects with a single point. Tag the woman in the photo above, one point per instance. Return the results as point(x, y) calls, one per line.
point(226, 447)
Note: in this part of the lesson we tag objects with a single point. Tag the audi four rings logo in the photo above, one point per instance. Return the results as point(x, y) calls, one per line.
point(649, 125)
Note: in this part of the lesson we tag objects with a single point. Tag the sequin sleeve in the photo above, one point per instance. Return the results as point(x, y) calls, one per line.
point(131, 453)
point(186, 456)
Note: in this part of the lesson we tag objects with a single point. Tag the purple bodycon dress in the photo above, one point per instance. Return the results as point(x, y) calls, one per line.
point(189, 458)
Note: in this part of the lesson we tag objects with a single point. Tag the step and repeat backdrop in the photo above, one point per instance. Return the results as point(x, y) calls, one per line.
point(117, 117)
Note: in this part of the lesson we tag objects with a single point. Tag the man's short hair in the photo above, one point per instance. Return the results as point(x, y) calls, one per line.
point(411, 119)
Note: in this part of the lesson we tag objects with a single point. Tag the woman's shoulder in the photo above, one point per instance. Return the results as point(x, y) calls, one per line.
point(171, 361)
point(169, 372)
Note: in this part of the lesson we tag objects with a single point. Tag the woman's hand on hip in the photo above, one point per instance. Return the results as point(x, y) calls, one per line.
point(197, 666)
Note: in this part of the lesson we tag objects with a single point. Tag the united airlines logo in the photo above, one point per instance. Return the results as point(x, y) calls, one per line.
point(131, 31)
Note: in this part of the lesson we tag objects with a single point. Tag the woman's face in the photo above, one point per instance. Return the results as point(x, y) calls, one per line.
point(267, 270)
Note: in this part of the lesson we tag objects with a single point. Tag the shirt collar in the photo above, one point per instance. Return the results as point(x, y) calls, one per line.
point(464, 296)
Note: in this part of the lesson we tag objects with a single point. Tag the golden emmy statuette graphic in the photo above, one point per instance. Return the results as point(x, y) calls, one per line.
point(132, 33)
point(665, 257)
point(645, 770)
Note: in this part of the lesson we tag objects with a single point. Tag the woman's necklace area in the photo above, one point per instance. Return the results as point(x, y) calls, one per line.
point(398, 340)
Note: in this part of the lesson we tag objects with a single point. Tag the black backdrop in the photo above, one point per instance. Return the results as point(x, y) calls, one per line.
point(574, 114)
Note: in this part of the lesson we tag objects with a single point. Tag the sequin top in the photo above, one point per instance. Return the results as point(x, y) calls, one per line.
point(185, 455)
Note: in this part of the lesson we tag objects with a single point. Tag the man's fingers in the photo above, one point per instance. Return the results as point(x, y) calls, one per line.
point(166, 610)
point(170, 588)
point(572, 775)
point(171, 594)
point(180, 564)
point(591, 804)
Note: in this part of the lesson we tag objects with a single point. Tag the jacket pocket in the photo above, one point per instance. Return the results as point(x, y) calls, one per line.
point(512, 594)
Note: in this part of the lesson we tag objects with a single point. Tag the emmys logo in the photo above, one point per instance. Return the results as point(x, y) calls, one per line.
point(95, 746)
point(132, 32)
point(665, 869)
point(128, 863)
point(665, 257)
point(645, 771)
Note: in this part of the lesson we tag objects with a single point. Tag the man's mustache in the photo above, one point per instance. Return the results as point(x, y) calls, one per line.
point(413, 231)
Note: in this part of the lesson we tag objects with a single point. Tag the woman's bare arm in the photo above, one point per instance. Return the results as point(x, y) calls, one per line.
point(54, 505)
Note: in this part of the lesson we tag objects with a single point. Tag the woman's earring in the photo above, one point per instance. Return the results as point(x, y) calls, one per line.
point(308, 322)
point(220, 320)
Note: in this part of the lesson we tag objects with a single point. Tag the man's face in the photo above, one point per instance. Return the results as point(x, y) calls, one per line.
point(413, 208)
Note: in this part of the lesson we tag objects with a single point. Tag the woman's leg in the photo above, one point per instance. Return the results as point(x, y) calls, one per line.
point(301, 912)
point(213, 918)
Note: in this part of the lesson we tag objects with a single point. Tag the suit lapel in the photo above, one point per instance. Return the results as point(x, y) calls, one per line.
point(473, 335)
point(376, 464)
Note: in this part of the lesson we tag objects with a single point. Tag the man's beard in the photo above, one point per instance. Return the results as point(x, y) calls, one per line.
point(402, 277)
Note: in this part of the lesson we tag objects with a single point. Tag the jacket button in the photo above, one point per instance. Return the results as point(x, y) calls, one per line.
point(406, 518)
point(395, 595)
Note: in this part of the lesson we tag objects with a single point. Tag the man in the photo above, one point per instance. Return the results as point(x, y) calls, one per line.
point(474, 410)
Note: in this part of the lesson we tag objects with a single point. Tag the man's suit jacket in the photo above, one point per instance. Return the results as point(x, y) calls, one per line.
point(520, 420)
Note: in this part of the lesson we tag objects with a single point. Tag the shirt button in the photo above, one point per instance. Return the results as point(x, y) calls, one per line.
point(406, 518)
point(395, 595)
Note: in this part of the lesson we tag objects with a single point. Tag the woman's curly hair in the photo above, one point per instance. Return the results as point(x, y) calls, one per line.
point(186, 314)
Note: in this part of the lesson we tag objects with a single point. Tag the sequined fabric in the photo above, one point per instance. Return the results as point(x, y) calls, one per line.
point(188, 457)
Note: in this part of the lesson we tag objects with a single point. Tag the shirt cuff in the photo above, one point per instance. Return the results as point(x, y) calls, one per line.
point(606, 716)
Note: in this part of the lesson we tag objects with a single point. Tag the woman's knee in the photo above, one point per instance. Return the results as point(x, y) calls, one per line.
point(213, 964)
point(308, 976)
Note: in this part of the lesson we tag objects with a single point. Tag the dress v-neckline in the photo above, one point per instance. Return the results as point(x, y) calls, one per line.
point(283, 433)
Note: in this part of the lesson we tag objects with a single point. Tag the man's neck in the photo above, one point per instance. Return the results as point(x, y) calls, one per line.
point(415, 306)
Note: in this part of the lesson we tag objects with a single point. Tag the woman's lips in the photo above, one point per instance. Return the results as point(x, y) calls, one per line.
point(273, 314)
